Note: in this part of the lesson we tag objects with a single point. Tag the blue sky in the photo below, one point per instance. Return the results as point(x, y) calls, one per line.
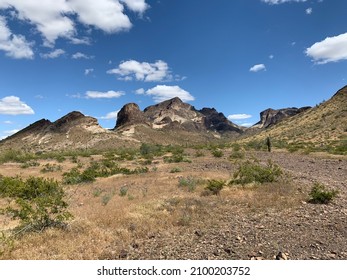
point(240, 57)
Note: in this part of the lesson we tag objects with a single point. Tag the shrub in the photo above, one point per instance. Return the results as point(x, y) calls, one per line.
point(175, 170)
point(51, 168)
point(74, 176)
point(31, 163)
point(253, 172)
point(321, 195)
point(188, 182)
point(215, 186)
point(38, 202)
point(123, 191)
point(217, 153)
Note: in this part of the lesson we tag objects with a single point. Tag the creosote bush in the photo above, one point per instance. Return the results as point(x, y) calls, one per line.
point(188, 182)
point(321, 195)
point(37, 203)
point(104, 169)
point(253, 172)
point(215, 186)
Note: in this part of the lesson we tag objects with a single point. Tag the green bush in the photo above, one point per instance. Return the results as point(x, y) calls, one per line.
point(38, 203)
point(189, 182)
point(321, 195)
point(31, 163)
point(123, 191)
point(104, 169)
point(51, 168)
point(175, 170)
point(215, 186)
point(217, 153)
point(253, 172)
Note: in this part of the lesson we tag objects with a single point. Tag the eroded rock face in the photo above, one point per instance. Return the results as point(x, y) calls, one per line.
point(217, 121)
point(175, 114)
point(270, 116)
point(130, 114)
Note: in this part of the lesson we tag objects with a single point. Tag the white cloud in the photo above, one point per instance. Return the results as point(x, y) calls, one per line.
point(309, 11)
point(239, 117)
point(139, 6)
point(331, 49)
point(15, 46)
point(12, 105)
point(80, 55)
point(257, 68)
point(88, 71)
point(10, 132)
point(275, 2)
point(107, 94)
point(7, 122)
point(163, 92)
point(271, 56)
point(140, 91)
point(143, 71)
point(80, 41)
point(55, 19)
point(110, 116)
point(53, 54)
point(245, 124)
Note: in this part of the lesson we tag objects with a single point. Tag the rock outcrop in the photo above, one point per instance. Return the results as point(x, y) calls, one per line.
point(175, 114)
point(270, 116)
point(130, 114)
point(217, 121)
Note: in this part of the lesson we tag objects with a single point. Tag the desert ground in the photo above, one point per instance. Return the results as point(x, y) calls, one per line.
point(168, 213)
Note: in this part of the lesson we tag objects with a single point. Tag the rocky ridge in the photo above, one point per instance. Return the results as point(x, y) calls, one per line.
point(270, 117)
point(175, 114)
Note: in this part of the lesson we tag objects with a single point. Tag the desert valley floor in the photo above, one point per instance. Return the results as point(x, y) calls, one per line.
point(167, 213)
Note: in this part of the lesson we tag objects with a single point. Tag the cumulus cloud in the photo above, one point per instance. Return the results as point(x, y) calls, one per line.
point(110, 116)
point(331, 49)
point(140, 91)
point(107, 94)
point(53, 54)
point(15, 46)
point(88, 71)
point(239, 117)
point(309, 11)
point(80, 55)
point(257, 68)
point(138, 6)
point(275, 2)
point(12, 105)
point(142, 71)
point(162, 92)
point(55, 19)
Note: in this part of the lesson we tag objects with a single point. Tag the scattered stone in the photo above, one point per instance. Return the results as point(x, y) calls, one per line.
point(281, 256)
point(123, 254)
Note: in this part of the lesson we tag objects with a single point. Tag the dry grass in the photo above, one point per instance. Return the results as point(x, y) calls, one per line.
point(106, 223)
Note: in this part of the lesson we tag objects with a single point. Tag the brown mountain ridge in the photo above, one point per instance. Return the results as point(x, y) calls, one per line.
point(175, 122)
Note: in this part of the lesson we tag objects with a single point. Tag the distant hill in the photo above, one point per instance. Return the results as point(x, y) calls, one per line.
point(175, 122)
point(169, 122)
point(322, 127)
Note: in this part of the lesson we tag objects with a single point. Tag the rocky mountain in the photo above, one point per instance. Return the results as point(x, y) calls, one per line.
point(322, 125)
point(175, 122)
point(73, 130)
point(175, 114)
point(270, 116)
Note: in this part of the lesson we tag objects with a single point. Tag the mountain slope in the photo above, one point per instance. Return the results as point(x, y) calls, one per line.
point(321, 126)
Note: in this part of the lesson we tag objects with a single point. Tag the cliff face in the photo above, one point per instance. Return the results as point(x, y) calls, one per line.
point(175, 114)
point(270, 116)
point(130, 114)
